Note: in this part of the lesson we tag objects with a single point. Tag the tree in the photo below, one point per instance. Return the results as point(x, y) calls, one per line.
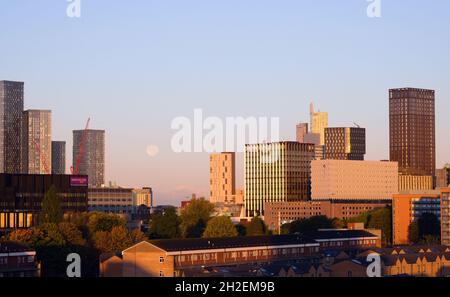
point(102, 241)
point(429, 225)
point(71, 234)
point(381, 218)
point(414, 232)
point(137, 236)
point(120, 239)
point(311, 224)
point(220, 227)
point(256, 227)
point(195, 216)
point(51, 208)
point(165, 224)
point(98, 221)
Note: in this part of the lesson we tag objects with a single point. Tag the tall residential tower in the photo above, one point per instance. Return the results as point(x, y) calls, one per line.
point(11, 109)
point(58, 157)
point(92, 162)
point(37, 142)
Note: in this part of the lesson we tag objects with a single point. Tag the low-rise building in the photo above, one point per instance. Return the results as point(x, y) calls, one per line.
point(21, 197)
point(169, 258)
point(279, 213)
point(17, 260)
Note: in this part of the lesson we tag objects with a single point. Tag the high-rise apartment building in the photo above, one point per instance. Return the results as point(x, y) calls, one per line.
point(319, 121)
point(37, 142)
point(412, 130)
point(92, 162)
point(277, 172)
point(222, 177)
point(345, 143)
point(11, 109)
point(353, 180)
point(301, 131)
point(58, 157)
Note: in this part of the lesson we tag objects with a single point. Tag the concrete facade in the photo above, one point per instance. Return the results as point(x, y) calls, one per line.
point(359, 180)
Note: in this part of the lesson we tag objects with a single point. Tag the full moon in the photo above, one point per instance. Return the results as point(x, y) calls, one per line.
point(152, 150)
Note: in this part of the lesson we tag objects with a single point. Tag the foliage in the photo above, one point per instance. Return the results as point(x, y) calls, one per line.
point(165, 224)
point(51, 208)
point(305, 225)
point(220, 227)
point(425, 230)
point(195, 216)
point(256, 227)
point(87, 234)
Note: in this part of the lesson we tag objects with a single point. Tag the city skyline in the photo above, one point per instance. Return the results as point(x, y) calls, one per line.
point(147, 96)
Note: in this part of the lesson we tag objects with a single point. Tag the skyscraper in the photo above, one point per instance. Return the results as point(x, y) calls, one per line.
point(319, 121)
point(412, 131)
point(276, 172)
point(58, 157)
point(37, 142)
point(345, 143)
point(222, 177)
point(92, 162)
point(301, 131)
point(11, 109)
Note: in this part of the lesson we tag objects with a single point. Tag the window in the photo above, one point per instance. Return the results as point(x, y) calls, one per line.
point(349, 273)
point(161, 260)
point(161, 273)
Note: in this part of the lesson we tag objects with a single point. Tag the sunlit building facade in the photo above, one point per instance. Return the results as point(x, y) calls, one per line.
point(277, 172)
point(37, 142)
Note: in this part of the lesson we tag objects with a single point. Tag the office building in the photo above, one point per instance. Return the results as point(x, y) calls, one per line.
point(319, 121)
point(277, 214)
point(412, 130)
point(319, 149)
point(277, 172)
point(21, 197)
point(58, 157)
point(301, 131)
point(143, 196)
point(359, 180)
point(37, 142)
point(445, 216)
point(345, 143)
point(409, 207)
point(222, 177)
point(11, 109)
point(92, 158)
point(415, 183)
point(112, 200)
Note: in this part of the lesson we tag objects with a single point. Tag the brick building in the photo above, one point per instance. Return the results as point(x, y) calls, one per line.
point(169, 258)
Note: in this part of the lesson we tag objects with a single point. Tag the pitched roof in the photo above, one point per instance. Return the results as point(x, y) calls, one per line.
point(230, 242)
point(170, 245)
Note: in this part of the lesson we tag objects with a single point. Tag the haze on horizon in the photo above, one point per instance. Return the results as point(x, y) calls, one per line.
point(134, 67)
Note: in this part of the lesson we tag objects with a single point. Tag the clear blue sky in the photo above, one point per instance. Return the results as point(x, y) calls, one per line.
point(135, 65)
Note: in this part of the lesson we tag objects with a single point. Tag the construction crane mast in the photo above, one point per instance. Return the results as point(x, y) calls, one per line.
point(75, 170)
